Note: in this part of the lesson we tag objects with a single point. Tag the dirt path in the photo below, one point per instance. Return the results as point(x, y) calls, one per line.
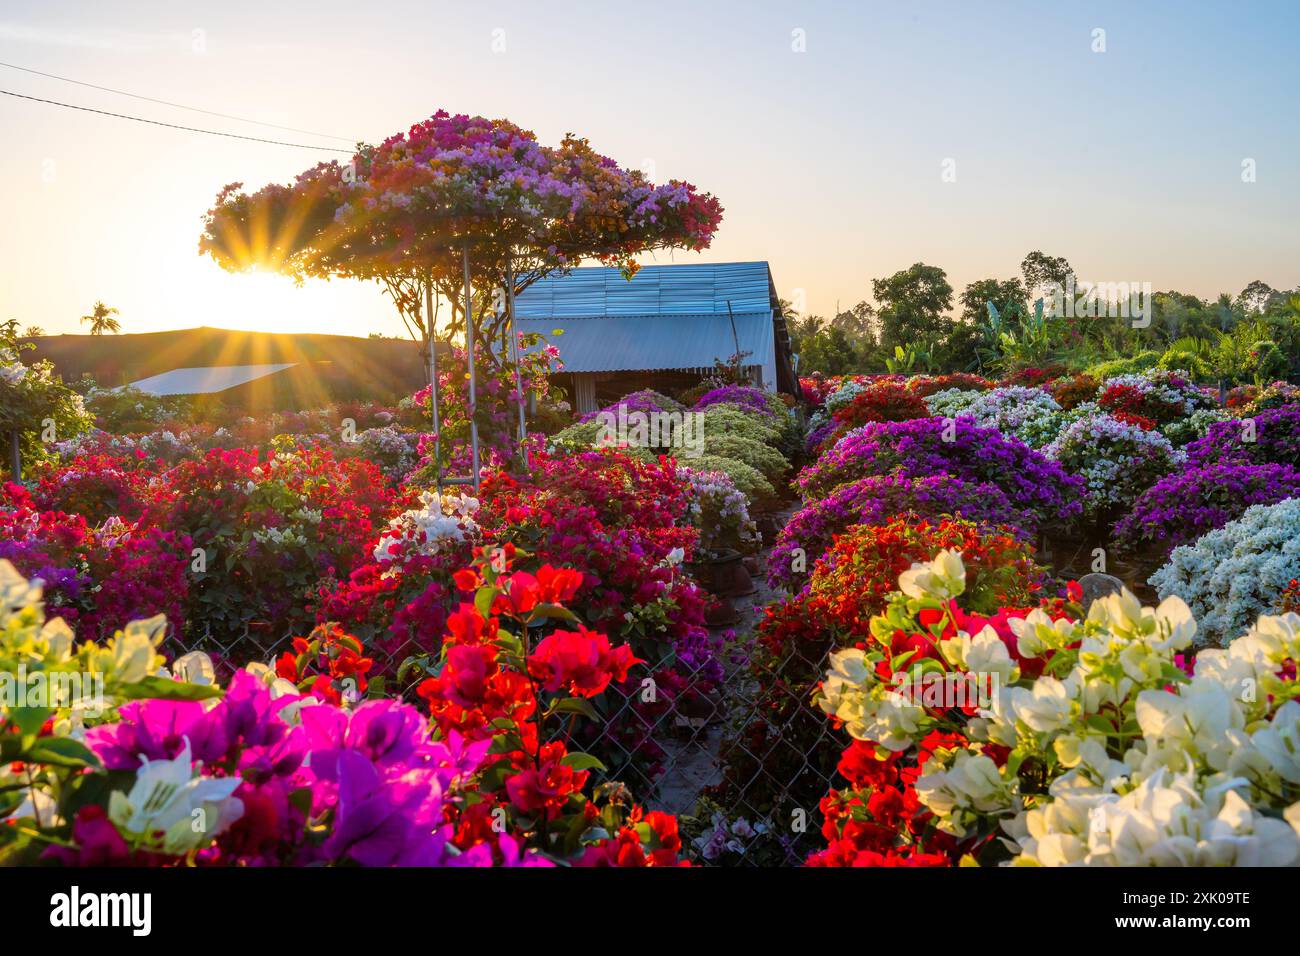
point(693, 751)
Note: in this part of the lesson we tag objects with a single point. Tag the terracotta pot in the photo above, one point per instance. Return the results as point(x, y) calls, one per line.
point(721, 613)
point(728, 577)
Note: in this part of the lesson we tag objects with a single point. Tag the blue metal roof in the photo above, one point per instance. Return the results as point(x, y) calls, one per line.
point(648, 342)
point(697, 288)
point(664, 317)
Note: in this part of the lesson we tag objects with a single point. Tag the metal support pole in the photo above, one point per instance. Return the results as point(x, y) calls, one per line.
point(473, 383)
point(433, 384)
point(513, 332)
point(15, 456)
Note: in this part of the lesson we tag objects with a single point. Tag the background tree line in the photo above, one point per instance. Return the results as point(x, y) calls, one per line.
point(918, 323)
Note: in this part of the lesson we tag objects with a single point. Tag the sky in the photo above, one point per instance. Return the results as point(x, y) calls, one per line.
point(845, 140)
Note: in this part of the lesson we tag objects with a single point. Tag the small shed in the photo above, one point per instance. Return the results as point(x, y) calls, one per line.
point(663, 328)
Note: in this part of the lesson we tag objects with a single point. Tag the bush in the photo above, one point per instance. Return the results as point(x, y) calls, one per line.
point(1073, 391)
point(1123, 366)
point(720, 511)
point(876, 499)
point(1271, 437)
point(271, 529)
point(763, 458)
point(1233, 574)
point(1117, 461)
point(748, 479)
point(1029, 414)
point(957, 447)
point(859, 571)
point(1187, 504)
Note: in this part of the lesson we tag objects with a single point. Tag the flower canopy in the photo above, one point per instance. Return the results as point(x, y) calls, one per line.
point(409, 207)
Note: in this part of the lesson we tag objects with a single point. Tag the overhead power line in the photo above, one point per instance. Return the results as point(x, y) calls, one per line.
point(188, 129)
point(179, 106)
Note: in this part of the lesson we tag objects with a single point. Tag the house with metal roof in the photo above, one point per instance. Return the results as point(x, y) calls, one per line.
point(663, 328)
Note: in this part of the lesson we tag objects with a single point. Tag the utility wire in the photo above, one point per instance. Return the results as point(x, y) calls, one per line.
point(179, 106)
point(189, 129)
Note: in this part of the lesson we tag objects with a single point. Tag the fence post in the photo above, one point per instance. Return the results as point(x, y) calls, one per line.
point(15, 456)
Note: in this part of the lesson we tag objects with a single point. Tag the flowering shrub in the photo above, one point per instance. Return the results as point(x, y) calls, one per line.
point(99, 578)
point(1029, 414)
point(719, 510)
point(1162, 395)
point(922, 448)
point(1234, 573)
point(926, 385)
point(1195, 426)
point(1272, 436)
point(856, 574)
point(951, 402)
point(1275, 395)
point(284, 776)
point(1073, 390)
point(1186, 504)
point(1117, 460)
point(97, 487)
point(1034, 376)
point(874, 500)
point(270, 529)
point(881, 402)
point(1086, 734)
point(743, 396)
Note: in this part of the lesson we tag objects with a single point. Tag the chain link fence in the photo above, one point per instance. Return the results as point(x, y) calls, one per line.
point(742, 760)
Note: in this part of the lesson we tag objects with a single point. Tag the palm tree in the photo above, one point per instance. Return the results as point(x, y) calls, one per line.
point(101, 320)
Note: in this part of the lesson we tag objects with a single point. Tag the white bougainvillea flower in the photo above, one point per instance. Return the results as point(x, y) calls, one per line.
point(984, 654)
point(942, 579)
point(168, 798)
point(1279, 742)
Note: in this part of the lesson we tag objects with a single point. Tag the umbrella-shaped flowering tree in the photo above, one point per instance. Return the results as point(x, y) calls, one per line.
point(463, 210)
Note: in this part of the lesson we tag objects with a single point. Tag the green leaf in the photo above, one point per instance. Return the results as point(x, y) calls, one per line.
point(575, 705)
point(483, 599)
point(164, 688)
point(30, 719)
point(555, 611)
point(581, 761)
point(61, 752)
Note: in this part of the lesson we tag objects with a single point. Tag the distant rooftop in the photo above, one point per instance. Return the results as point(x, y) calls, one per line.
point(205, 381)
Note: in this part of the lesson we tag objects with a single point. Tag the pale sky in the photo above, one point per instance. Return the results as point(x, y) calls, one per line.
point(829, 161)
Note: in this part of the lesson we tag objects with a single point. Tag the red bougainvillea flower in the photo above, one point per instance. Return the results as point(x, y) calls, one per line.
point(545, 787)
point(466, 625)
point(468, 579)
point(580, 661)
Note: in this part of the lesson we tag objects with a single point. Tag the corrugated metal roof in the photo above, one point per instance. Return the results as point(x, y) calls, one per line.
point(650, 342)
point(664, 317)
point(697, 288)
point(205, 381)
